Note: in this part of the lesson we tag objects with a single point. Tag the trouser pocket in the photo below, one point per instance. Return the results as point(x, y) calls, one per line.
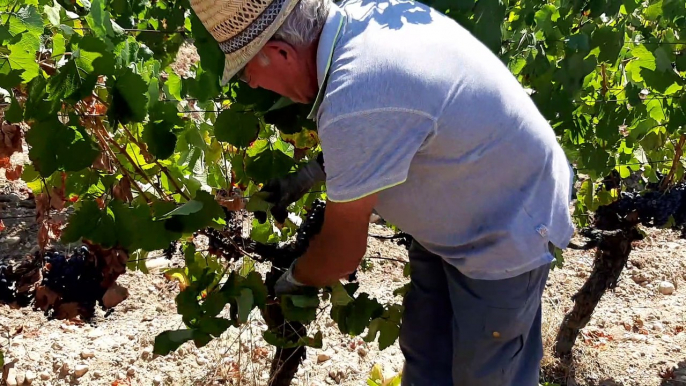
point(496, 328)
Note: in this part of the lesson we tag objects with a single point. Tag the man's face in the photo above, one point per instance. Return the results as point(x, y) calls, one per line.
point(285, 70)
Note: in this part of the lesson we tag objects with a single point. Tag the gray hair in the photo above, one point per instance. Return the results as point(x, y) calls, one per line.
point(303, 25)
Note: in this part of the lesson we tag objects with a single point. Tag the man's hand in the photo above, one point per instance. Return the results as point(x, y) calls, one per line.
point(338, 249)
point(287, 284)
point(287, 190)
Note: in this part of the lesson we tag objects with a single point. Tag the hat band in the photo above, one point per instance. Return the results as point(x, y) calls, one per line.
point(256, 27)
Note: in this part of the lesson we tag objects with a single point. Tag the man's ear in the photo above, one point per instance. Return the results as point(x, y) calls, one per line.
point(280, 50)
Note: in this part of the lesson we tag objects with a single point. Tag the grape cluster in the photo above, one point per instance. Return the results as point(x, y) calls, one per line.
point(7, 292)
point(171, 250)
point(218, 243)
point(76, 278)
point(311, 226)
point(651, 208)
point(404, 240)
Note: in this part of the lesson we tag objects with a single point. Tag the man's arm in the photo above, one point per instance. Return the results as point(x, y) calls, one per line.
point(338, 249)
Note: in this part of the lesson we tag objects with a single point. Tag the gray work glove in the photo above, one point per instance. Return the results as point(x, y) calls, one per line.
point(289, 189)
point(287, 284)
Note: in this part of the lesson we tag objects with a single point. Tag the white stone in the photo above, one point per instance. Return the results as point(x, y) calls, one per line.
point(201, 361)
point(157, 380)
point(21, 377)
point(97, 373)
point(96, 333)
point(80, 370)
point(87, 353)
point(10, 240)
point(11, 379)
point(131, 371)
point(44, 375)
point(157, 264)
point(30, 377)
point(323, 357)
point(666, 288)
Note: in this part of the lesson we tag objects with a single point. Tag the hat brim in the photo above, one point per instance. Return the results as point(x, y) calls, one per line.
point(236, 60)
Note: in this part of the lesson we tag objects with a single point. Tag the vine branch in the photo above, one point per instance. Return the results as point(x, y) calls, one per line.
point(678, 151)
point(104, 145)
point(163, 168)
point(173, 181)
point(98, 129)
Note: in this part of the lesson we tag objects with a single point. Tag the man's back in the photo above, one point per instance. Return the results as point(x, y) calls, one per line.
point(416, 108)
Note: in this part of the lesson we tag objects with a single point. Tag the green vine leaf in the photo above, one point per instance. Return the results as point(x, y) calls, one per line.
point(55, 146)
point(387, 327)
point(26, 21)
point(246, 302)
point(160, 139)
point(100, 21)
point(169, 341)
point(237, 128)
point(210, 214)
point(355, 316)
point(91, 223)
point(14, 114)
point(339, 295)
point(129, 97)
point(22, 58)
point(388, 332)
point(300, 308)
point(71, 83)
point(211, 56)
point(267, 165)
point(136, 228)
point(214, 326)
point(609, 41)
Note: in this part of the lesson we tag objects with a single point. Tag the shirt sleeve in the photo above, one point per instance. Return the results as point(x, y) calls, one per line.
point(369, 151)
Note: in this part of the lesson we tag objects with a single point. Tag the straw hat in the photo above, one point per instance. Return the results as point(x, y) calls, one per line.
point(241, 27)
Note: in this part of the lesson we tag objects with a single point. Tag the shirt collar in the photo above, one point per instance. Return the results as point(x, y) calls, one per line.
point(327, 43)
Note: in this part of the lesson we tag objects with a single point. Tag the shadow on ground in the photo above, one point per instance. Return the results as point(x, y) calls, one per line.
point(19, 236)
point(675, 376)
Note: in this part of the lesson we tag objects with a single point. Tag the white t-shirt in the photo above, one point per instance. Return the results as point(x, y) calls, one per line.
point(417, 109)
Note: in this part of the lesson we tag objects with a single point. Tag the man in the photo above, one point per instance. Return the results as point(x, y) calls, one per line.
point(421, 122)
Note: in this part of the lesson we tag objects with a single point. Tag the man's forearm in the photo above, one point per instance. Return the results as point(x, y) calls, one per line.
point(338, 249)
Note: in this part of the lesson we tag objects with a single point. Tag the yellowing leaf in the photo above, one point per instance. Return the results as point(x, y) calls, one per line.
point(178, 274)
point(643, 59)
point(376, 374)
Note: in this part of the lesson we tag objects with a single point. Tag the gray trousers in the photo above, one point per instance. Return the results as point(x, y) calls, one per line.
point(465, 332)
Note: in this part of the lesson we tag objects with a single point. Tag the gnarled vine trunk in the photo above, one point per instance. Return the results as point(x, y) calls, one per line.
point(286, 361)
point(611, 256)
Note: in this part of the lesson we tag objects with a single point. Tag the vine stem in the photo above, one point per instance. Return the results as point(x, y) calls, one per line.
point(163, 168)
point(108, 149)
point(173, 181)
point(98, 130)
point(130, 135)
point(386, 258)
point(678, 151)
point(604, 74)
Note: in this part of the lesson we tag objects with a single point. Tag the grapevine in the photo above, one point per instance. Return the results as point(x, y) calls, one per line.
point(143, 153)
